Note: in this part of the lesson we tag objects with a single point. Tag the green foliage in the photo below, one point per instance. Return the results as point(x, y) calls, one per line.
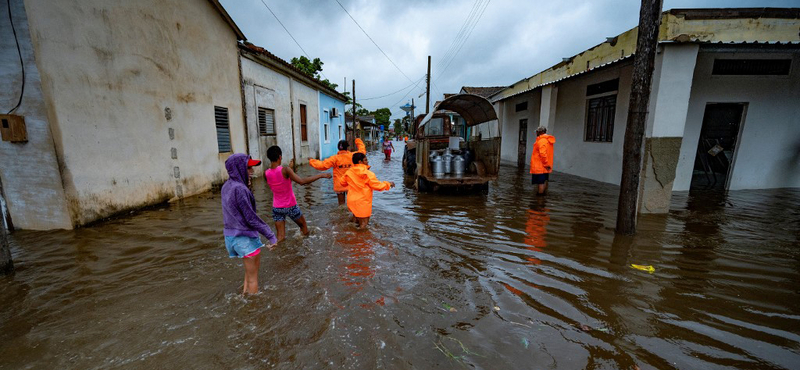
point(398, 127)
point(312, 68)
point(362, 111)
point(382, 116)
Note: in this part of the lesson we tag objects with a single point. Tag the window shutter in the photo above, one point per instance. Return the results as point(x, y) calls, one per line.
point(223, 129)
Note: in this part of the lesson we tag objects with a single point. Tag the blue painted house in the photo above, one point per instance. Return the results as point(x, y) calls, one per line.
point(331, 124)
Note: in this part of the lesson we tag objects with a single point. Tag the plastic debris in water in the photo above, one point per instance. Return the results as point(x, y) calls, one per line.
point(525, 342)
point(647, 268)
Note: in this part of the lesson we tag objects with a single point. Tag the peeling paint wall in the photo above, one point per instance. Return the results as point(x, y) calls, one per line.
point(131, 89)
point(29, 171)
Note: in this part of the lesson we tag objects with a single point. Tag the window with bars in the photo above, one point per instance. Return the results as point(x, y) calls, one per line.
point(266, 122)
point(600, 118)
point(223, 129)
point(521, 107)
point(303, 123)
point(752, 67)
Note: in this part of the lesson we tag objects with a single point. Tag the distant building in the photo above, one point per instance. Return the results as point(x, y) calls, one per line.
point(723, 109)
point(331, 123)
point(123, 106)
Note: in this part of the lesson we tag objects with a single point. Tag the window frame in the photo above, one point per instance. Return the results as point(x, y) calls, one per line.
point(303, 123)
point(221, 144)
point(265, 132)
point(609, 129)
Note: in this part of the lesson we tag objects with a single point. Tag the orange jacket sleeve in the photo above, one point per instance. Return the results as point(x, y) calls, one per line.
point(543, 155)
point(322, 165)
point(343, 181)
point(360, 145)
point(376, 184)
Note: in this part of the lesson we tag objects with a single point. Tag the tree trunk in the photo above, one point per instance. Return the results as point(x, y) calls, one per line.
point(646, 43)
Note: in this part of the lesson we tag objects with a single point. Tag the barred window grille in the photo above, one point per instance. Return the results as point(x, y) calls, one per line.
point(266, 122)
point(600, 119)
point(752, 67)
point(223, 129)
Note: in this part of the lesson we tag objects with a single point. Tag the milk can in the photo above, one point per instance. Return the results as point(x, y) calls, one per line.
point(459, 165)
point(437, 165)
point(447, 158)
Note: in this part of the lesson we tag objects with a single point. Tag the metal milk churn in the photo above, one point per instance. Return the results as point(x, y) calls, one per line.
point(459, 165)
point(437, 165)
point(447, 158)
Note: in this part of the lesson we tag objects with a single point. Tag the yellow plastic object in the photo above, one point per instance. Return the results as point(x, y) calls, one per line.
point(647, 268)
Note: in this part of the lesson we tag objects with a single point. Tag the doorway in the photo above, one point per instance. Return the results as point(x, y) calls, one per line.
point(522, 146)
point(716, 147)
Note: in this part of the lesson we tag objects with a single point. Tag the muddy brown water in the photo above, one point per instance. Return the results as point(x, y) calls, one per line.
point(502, 280)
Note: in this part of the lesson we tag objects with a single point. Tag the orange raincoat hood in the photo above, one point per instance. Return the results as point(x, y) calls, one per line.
point(340, 162)
point(360, 182)
point(542, 155)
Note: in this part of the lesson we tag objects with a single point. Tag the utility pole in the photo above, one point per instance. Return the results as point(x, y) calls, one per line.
point(428, 88)
point(646, 43)
point(355, 119)
point(6, 264)
point(413, 122)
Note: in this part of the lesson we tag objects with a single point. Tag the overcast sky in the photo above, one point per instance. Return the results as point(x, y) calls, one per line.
point(511, 39)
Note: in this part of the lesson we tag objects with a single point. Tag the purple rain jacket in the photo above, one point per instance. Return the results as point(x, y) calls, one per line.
point(238, 203)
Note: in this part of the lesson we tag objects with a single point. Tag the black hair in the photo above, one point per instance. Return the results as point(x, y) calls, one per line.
point(343, 145)
point(274, 153)
point(358, 157)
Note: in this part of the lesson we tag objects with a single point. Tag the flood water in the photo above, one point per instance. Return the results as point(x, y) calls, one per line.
point(500, 280)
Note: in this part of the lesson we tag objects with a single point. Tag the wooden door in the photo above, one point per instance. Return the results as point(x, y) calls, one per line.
point(523, 142)
point(303, 123)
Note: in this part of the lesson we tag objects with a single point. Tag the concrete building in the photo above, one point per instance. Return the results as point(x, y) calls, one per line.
point(124, 105)
point(282, 106)
point(723, 110)
point(331, 121)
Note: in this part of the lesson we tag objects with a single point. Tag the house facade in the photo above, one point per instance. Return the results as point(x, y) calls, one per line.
point(123, 106)
point(331, 124)
point(723, 109)
point(282, 106)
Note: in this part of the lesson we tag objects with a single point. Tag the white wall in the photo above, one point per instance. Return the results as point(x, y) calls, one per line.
point(510, 132)
point(109, 71)
point(269, 89)
point(310, 98)
point(597, 161)
point(29, 171)
point(770, 134)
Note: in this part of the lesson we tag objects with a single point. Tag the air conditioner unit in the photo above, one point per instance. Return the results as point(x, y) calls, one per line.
point(334, 112)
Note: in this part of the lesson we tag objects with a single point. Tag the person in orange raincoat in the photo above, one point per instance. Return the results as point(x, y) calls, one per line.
point(360, 183)
point(341, 162)
point(542, 159)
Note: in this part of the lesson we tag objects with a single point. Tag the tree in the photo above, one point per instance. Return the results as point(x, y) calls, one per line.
point(398, 127)
point(382, 116)
point(362, 111)
point(312, 68)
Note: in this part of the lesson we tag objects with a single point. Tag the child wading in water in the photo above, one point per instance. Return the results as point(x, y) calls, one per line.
point(360, 182)
point(279, 179)
point(241, 222)
point(341, 162)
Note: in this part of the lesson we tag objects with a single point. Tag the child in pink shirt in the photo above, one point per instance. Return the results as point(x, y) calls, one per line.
point(279, 179)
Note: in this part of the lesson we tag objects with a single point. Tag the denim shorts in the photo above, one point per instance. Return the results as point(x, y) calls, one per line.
point(279, 214)
point(241, 246)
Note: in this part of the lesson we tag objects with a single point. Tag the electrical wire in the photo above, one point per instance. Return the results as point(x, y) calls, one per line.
point(290, 35)
point(459, 35)
point(408, 92)
point(373, 41)
point(465, 40)
point(390, 94)
point(21, 62)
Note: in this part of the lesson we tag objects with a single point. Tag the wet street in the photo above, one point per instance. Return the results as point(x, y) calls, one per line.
point(501, 280)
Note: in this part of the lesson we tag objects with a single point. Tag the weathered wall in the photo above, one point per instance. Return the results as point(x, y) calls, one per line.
point(510, 121)
point(328, 148)
point(29, 171)
point(573, 155)
point(310, 98)
point(126, 82)
point(767, 150)
point(267, 89)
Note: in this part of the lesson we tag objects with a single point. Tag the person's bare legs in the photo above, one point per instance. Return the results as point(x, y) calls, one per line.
point(303, 225)
point(542, 188)
point(340, 197)
point(251, 265)
point(280, 230)
point(362, 222)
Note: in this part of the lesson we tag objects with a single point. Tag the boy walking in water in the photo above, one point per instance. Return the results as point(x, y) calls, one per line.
point(284, 203)
point(340, 162)
point(542, 159)
point(241, 222)
point(360, 182)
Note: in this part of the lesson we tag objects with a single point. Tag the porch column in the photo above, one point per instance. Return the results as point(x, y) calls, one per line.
point(547, 109)
point(672, 87)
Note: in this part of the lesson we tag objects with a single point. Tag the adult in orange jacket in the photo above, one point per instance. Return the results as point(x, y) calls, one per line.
point(542, 159)
point(340, 162)
point(360, 183)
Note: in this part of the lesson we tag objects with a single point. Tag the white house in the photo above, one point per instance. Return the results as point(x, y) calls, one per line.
point(723, 112)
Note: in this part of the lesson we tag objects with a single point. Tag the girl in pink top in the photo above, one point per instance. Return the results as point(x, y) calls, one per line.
point(279, 179)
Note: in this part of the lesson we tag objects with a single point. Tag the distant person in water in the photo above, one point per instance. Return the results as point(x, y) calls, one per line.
point(284, 204)
point(388, 148)
point(542, 160)
point(340, 162)
point(360, 183)
point(241, 222)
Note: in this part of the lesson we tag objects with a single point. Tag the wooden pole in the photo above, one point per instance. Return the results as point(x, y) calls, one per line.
point(646, 43)
point(428, 88)
point(411, 124)
point(355, 119)
point(6, 264)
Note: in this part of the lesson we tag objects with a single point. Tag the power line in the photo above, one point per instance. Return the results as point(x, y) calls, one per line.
point(460, 33)
point(407, 92)
point(290, 35)
point(21, 62)
point(373, 41)
point(390, 94)
point(465, 39)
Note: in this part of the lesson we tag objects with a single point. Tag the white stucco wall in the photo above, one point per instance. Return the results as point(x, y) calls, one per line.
point(770, 134)
point(267, 89)
point(597, 161)
point(310, 98)
point(510, 120)
point(29, 171)
point(109, 71)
